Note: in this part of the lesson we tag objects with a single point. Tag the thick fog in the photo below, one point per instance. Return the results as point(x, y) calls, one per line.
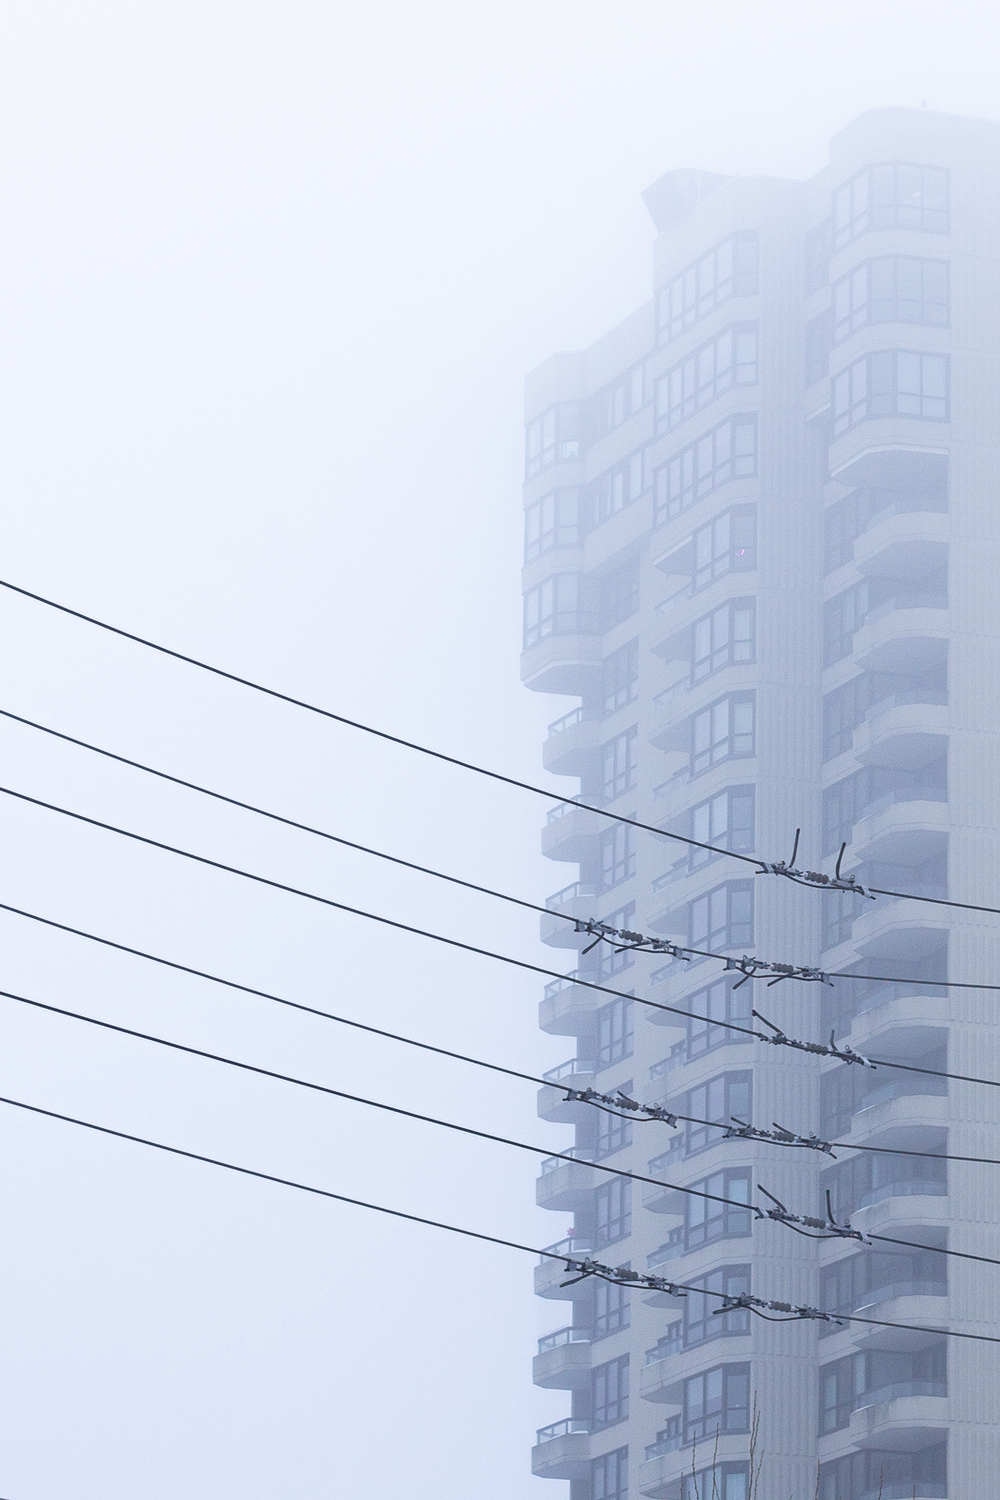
point(271, 277)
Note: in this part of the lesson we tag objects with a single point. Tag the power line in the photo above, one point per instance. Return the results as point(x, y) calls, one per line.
point(812, 878)
point(750, 1133)
point(775, 1038)
point(583, 1267)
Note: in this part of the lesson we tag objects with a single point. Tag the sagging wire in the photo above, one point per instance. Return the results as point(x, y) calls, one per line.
point(820, 1049)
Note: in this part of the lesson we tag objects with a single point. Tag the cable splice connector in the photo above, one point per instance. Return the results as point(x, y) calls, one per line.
point(834, 882)
point(761, 1306)
point(622, 940)
point(751, 968)
point(821, 1049)
point(779, 1136)
point(831, 1229)
point(621, 1276)
point(620, 1101)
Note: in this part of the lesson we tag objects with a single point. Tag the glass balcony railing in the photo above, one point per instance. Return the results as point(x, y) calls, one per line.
point(569, 1069)
point(564, 982)
point(672, 1342)
point(910, 599)
point(668, 1440)
point(565, 1428)
point(565, 1249)
point(564, 1336)
point(575, 716)
point(933, 696)
point(913, 1187)
point(900, 1389)
point(559, 811)
point(567, 894)
point(575, 1153)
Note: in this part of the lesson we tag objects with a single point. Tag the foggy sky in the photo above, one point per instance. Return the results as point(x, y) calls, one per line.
point(270, 278)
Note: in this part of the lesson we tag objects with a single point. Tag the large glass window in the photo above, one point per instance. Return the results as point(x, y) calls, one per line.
point(558, 606)
point(874, 788)
point(717, 1401)
point(842, 616)
point(609, 1393)
point(617, 855)
point(614, 1132)
point(702, 1319)
point(620, 764)
point(706, 1220)
point(863, 1180)
point(726, 544)
point(725, 820)
point(727, 1097)
point(891, 289)
point(717, 1003)
point(843, 710)
point(727, 270)
point(614, 1032)
point(863, 1379)
point(722, 731)
point(618, 487)
point(723, 918)
point(612, 1308)
point(729, 359)
point(895, 195)
point(876, 1275)
point(609, 1476)
point(620, 593)
point(892, 1473)
point(891, 383)
point(612, 1211)
point(729, 451)
point(620, 677)
point(553, 437)
point(617, 401)
point(556, 520)
point(720, 1482)
point(724, 638)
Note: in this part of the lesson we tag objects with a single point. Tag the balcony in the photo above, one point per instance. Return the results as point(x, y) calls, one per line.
point(568, 1007)
point(891, 453)
point(665, 1199)
point(906, 730)
point(907, 633)
point(907, 826)
point(889, 1416)
point(550, 1273)
point(572, 902)
point(907, 544)
point(660, 1474)
point(566, 1186)
point(562, 1450)
point(563, 1360)
point(553, 1105)
point(572, 748)
point(569, 663)
point(569, 832)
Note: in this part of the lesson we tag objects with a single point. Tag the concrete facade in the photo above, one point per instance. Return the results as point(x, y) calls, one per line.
point(762, 545)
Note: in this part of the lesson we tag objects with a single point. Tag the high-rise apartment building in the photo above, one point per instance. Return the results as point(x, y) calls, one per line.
point(763, 561)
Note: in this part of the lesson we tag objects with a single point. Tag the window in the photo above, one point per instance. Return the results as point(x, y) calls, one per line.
point(612, 1211)
point(620, 764)
point(861, 1181)
point(618, 401)
point(842, 616)
point(717, 1003)
point(838, 917)
point(893, 196)
point(612, 960)
point(556, 607)
point(707, 1219)
point(843, 523)
point(720, 1482)
point(620, 593)
point(723, 638)
point(723, 731)
point(717, 1401)
point(618, 487)
point(612, 1308)
point(609, 1393)
point(556, 520)
point(702, 1321)
point(873, 788)
point(725, 820)
point(817, 347)
point(817, 255)
point(617, 855)
point(727, 270)
point(614, 1032)
point(727, 1097)
point(843, 710)
point(552, 437)
point(729, 451)
point(730, 359)
point(893, 1473)
point(609, 1476)
point(878, 1375)
point(891, 383)
point(891, 289)
point(614, 1132)
point(620, 677)
point(723, 918)
point(727, 544)
point(875, 1275)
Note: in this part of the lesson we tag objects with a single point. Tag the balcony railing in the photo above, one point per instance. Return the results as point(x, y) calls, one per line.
point(564, 1336)
point(900, 1389)
point(565, 982)
point(568, 1249)
point(665, 1160)
point(672, 1246)
point(567, 894)
point(916, 791)
point(917, 599)
point(569, 1070)
point(935, 696)
point(575, 1153)
point(912, 1187)
point(673, 691)
point(671, 1343)
point(668, 1440)
point(679, 778)
point(575, 716)
point(564, 1428)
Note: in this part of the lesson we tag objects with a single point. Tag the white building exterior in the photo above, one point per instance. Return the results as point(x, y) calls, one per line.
point(763, 556)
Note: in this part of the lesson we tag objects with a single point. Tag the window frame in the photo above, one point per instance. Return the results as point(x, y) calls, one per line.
point(726, 362)
point(707, 283)
point(727, 731)
point(725, 452)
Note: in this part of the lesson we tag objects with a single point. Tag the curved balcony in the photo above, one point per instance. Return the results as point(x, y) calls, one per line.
point(572, 748)
point(569, 832)
point(891, 453)
point(566, 1186)
point(553, 1105)
point(907, 633)
point(572, 902)
point(562, 1450)
point(913, 1204)
point(908, 826)
point(568, 1008)
point(884, 1018)
point(550, 1273)
point(666, 1460)
point(563, 1360)
point(890, 1108)
point(903, 544)
point(890, 1416)
point(906, 730)
point(563, 664)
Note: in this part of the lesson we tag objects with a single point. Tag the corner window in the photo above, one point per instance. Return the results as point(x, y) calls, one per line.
point(617, 855)
point(843, 710)
point(717, 1003)
point(891, 289)
point(620, 593)
point(842, 616)
point(707, 1220)
point(723, 638)
point(556, 607)
point(729, 269)
point(553, 437)
point(723, 918)
point(891, 383)
point(885, 1471)
point(717, 1402)
point(895, 195)
point(618, 487)
point(725, 820)
point(609, 1476)
point(723, 731)
point(612, 960)
point(612, 1310)
point(702, 1321)
point(620, 677)
point(615, 1036)
point(556, 520)
point(728, 360)
point(612, 1212)
point(617, 401)
point(721, 1482)
point(729, 451)
point(614, 1132)
point(729, 1096)
point(620, 764)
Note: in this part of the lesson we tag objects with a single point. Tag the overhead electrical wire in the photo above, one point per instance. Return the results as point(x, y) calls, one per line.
point(811, 878)
point(581, 1266)
point(776, 1037)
